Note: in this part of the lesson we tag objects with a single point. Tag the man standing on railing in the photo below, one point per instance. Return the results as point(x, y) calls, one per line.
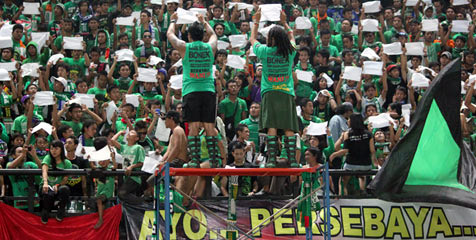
point(198, 86)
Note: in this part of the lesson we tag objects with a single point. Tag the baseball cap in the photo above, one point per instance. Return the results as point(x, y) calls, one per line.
point(390, 67)
point(62, 80)
point(447, 54)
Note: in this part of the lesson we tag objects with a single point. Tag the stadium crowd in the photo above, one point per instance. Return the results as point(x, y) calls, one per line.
point(151, 80)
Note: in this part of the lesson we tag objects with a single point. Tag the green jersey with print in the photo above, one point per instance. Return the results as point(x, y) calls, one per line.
point(277, 70)
point(77, 67)
point(133, 155)
point(76, 126)
point(198, 68)
point(227, 108)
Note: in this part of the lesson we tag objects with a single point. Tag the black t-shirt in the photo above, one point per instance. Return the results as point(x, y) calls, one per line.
point(358, 146)
point(74, 182)
point(332, 71)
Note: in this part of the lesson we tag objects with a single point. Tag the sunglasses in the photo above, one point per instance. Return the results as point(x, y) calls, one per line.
point(147, 36)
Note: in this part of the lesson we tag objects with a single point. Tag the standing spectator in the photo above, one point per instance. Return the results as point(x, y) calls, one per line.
point(198, 86)
point(253, 124)
point(359, 148)
point(232, 109)
point(278, 110)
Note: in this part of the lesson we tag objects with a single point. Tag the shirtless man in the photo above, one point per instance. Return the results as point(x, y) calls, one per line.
point(176, 153)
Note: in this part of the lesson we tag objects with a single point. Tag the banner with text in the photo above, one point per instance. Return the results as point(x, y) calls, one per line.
point(350, 219)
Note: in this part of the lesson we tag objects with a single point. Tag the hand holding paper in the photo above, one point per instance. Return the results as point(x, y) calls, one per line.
point(392, 48)
point(176, 81)
point(305, 76)
point(235, 61)
point(147, 75)
point(373, 68)
point(270, 12)
point(44, 98)
point(371, 7)
point(316, 129)
point(132, 99)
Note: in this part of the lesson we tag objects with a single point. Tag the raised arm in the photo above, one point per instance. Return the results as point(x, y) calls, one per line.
point(212, 40)
point(286, 26)
point(172, 37)
point(254, 30)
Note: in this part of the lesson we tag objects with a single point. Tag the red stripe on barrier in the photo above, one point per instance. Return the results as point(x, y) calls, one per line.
point(238, 171)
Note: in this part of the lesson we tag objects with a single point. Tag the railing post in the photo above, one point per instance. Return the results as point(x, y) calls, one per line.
point(157, 204)
point(167, 200)
point(31, 194)
point(327, 203)
point(231, 216)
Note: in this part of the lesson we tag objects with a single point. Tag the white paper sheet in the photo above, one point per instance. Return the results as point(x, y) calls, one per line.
point(241, 6)
point(73, 43)
point(415, 48)
point(471, 79)
point(125, 55)
point(419, 80)
point(4, 76)
point(406, 110)
point(197, 11)
point(411, 3)
point(100, 155)
point(176, 81)
point(136, 15)
point(110, 110)
point(298, 111)
point(147, 75)
point(9, 66)
point(460, 26)
point(429, 25)
point(44, 98)
point(178, 64)
point(156, 2)
point(370, 25)
point(54, 59)
point(460, 2)
point(6, 31)
point(132, 99)
point(305, 76)
point(87, 150)
point(45, 126)
point(154, 60)
point(6, 42)
point(150, 164)
point(86, 99)
point(463, 91)
point(370, 54)
point(40, 38)
point(270, 12)
point(392, 48)
point(352, 73)
point(316, 129)
point(371, 7)
point(238, 41)
point(303, 23)
point(222, 45)
point(373, 68)
point(125, 21)
point(186, 17)
point(380, 121)
point(30, 69)
point(161, 132)
point(235, 61)
point(355, 29)
point(329, 80)
point(31, 8)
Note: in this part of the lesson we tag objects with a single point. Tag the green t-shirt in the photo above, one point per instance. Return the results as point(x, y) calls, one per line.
point(76, 126)
point(20, 185)
point(198, 68)
point(123, 83)
point(143, 53)
point(306, 123)
point(277, 71)
point(77, 67)
point(20, 123)
point(254, 130)
point(304, 89)
point(53, 180)
point(132, 155)
point(227, 107)
point(97, 91)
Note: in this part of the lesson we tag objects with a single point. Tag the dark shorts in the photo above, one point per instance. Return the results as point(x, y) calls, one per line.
point(200, 107)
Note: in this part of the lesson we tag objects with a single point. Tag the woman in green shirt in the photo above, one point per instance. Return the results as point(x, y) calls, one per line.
point(278, 108)
point(54, 187)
